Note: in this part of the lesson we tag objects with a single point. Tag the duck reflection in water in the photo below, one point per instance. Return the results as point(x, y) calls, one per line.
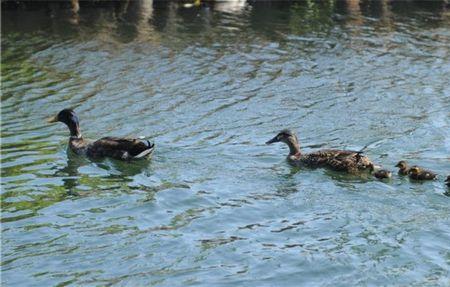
point(110, 170)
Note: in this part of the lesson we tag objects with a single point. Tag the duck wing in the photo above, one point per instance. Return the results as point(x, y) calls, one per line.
point(322, 157)
point(120, 148)
point(340, 160)
point(327, 154)
point(342, 154)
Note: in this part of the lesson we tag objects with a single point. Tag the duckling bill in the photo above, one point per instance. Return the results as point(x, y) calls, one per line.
point(114, 147)
point(340, 160)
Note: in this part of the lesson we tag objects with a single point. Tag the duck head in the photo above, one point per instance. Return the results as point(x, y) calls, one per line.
point(402, 164)
point(288, 137)
point(68, 117)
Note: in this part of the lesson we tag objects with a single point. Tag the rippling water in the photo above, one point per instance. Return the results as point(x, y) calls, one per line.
point(210, 85)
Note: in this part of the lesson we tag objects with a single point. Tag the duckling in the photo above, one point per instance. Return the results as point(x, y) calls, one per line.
point(418, 173)
point(118, 148)
point(403, 167)
point(340, 160)
point(382, 174)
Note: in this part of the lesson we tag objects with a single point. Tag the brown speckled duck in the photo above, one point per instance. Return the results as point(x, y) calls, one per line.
point(403, 167)
point(118, 148)
point(418, 173)
point(339, 160)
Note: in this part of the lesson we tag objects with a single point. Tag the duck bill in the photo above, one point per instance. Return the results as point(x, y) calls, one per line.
point(274, 140)
point(53, 119)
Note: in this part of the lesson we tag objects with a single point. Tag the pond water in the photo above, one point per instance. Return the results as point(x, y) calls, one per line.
point(210, 84)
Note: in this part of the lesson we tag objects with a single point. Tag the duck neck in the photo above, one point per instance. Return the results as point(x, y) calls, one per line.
point(74, 129)
point(294, 148)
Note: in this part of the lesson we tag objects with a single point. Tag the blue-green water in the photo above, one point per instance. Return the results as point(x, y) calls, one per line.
point(210, 84)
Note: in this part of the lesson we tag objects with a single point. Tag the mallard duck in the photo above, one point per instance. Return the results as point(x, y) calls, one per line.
point(340, 160)
point(382, 174)
point(118, 148)
point(418, 173)
point(403, 167)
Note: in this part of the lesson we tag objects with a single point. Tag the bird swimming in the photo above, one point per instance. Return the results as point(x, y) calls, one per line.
point(418, 173)
point(341, 160)
point(403, 167)
point(114, 147)
point(382, 174)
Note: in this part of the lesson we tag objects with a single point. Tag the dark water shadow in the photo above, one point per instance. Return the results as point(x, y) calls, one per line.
point(80, 184)
point(122, 19)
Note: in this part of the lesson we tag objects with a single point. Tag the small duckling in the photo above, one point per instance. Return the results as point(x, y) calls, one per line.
point(382, 174)
point(403, 167)
point(447, 181)
point(418, 173)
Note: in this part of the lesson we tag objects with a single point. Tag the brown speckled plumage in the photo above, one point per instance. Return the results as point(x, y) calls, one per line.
point(418, 173)
point(339, 160)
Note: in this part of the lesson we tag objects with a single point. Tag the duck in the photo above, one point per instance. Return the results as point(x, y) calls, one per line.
point(382, 174)
point(403, 167)
point(418, 173)
point(340, 160)
point(113, 147)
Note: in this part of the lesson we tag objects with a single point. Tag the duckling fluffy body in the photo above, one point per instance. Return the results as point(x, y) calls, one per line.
point(114, 147)
point(339, 160)
point(418, 173)
point(382, 174)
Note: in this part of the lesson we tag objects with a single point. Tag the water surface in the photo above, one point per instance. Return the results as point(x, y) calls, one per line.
point(210, 84)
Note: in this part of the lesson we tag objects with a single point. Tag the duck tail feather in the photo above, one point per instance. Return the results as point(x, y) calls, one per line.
point(363, 149)
point(144, 153)
point(147, 143)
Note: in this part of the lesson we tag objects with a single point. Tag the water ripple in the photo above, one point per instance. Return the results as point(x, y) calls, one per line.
point(210, 85)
